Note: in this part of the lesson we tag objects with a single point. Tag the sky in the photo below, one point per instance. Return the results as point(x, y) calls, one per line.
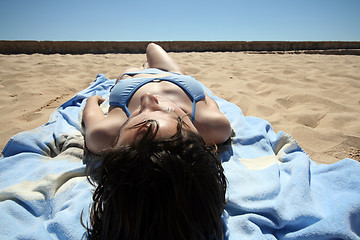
point(181, 20)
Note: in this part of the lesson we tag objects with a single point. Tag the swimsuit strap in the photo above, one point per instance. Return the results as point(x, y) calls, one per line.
point(193, 111)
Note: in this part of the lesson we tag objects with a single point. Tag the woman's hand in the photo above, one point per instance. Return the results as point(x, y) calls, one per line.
point(96, 98)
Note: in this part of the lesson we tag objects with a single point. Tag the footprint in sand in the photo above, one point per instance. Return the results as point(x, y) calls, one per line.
point(216, 85)
point(32, 116)
point(288, 71)
point(191, 70)
point(310, 120)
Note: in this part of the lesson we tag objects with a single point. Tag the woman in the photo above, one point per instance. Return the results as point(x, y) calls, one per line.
point(158, 178)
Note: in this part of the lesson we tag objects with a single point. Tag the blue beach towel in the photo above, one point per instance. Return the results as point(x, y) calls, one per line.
point(275, 191)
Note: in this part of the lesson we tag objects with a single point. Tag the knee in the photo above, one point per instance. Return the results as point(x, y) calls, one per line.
point(152, 46)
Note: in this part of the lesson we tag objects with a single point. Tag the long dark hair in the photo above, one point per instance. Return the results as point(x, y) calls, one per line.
point(158, 189)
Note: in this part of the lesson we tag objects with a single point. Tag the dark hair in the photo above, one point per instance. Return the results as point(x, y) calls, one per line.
point(158, 189)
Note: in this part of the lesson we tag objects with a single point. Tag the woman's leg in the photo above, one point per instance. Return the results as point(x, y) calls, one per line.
point(157, 57)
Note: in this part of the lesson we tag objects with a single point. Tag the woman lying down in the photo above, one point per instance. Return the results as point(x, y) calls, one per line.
point(159, 176)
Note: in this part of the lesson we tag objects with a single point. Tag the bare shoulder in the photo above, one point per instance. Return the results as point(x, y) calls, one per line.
point(212, 124)
point(103, 135)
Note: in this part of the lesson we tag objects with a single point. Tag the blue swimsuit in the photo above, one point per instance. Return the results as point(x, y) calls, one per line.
point(123, 91)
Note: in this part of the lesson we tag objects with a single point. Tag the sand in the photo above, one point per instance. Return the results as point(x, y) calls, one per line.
point(314, 98)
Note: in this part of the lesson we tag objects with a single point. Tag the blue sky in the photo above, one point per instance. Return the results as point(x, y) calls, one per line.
point(182, 20)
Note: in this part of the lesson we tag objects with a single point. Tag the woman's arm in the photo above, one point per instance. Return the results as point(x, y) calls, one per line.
point(212, 124)
point(96, 131)
point(92, 111)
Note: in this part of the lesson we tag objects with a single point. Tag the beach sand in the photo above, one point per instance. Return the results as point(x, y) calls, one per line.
point(314, 98)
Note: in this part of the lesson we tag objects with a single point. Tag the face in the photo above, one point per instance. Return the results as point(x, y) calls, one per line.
point(153, 107)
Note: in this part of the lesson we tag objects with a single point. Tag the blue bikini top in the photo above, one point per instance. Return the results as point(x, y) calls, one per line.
point(123, 91)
